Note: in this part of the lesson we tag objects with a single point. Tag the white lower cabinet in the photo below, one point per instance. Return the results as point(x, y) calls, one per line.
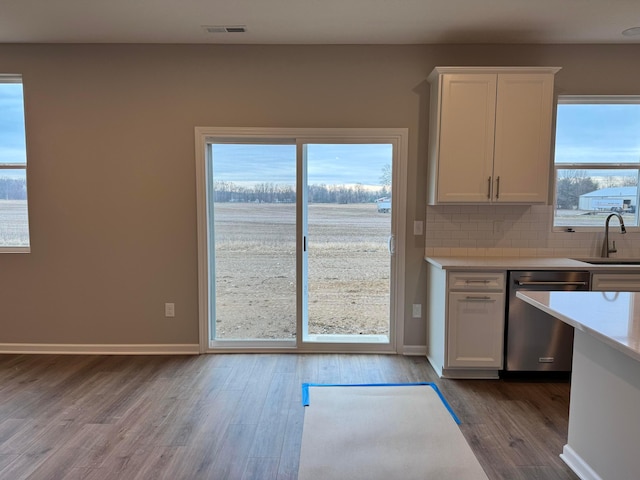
point(475, 329)
point(466, 313)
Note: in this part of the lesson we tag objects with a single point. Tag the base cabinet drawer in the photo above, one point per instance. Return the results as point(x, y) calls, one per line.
point(476, 281)
point(615, 282)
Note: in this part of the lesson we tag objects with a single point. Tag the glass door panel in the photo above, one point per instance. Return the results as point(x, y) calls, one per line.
point(253, 268)
point(348, 227)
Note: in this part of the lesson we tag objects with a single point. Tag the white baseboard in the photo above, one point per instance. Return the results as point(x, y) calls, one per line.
point(101, 349)
point(418, 350)
point(135, 349)
point(578, 465)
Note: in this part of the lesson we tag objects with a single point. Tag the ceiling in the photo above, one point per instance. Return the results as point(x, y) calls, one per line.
point(319, 21)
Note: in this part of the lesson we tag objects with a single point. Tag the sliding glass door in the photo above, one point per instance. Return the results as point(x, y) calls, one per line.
point(253, 232)
point(347, 228)
point(297, 238)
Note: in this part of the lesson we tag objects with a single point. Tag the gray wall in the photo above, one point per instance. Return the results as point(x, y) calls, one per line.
point(112, 171)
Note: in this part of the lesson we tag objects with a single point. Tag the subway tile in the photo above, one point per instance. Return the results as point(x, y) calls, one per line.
point(451, 226)
point(503, 243)
point(459, 217)
point(469, 226)
point(442, 234)
point(462, 235)
point(466, 243)
point(485, 243)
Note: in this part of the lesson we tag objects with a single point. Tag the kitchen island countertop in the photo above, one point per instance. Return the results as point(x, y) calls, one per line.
point(604, 419)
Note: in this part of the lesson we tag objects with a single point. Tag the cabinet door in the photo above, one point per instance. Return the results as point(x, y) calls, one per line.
point(475, 333)
point(522, 157)
point(467, 123)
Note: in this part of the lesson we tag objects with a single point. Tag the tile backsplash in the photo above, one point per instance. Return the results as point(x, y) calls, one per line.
point(514, 231)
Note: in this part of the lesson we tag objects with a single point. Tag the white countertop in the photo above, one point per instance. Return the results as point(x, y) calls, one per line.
point(507, 263)
point(611, 317)
point(525, 263)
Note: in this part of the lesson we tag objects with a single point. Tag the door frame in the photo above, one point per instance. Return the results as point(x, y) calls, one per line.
point(396, 136)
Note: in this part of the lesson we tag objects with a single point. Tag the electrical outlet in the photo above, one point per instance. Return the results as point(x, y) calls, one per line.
point(417, 227)
point(417, 310)
point(169, 309)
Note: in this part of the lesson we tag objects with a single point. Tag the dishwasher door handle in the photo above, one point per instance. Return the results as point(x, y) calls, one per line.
point(551, 284)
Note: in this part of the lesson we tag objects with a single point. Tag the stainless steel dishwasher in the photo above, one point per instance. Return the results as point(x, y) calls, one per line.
point(534, 340)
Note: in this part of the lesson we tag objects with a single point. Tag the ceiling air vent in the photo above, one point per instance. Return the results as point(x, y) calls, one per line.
point(225, 28)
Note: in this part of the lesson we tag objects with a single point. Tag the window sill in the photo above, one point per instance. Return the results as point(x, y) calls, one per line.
point(15, 249)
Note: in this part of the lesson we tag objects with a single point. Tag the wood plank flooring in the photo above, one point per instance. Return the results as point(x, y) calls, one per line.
point(237, 416)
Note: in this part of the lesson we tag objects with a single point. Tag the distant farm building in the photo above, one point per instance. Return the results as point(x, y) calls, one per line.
point(384, 204)
point(609, 199)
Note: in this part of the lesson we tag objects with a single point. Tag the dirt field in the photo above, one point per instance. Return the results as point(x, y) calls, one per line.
point(256, 270)
point(14, 223)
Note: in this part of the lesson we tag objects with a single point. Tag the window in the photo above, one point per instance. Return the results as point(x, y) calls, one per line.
point(14, 219)
point(597, 160)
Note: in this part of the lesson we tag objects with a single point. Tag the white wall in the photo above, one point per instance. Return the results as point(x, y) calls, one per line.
point(111, 175)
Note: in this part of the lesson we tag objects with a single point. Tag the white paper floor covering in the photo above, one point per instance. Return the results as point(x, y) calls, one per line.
point(383, 432)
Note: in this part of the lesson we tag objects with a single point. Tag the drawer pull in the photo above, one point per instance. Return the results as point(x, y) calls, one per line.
point(484, 282)
point(477, 298)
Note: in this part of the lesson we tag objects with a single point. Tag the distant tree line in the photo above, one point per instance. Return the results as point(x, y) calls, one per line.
point(13, 189)
point(571, 187)
point(275, 193)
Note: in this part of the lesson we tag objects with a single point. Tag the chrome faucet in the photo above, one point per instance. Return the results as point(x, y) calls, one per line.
point(605, 244)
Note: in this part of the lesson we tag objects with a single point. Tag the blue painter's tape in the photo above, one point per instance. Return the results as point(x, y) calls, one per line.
point(305, 391)
point(446, 404)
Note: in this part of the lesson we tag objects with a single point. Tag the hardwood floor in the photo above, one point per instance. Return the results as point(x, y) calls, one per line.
point(237, 416)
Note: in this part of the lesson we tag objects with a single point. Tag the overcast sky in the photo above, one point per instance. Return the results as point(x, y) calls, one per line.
point(598, 133)
point(12, 143)
point(331, 164)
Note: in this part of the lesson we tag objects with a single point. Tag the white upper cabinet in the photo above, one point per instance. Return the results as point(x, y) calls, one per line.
point(490, 135)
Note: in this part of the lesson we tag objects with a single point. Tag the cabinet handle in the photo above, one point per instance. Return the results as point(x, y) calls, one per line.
point(477, 281)
point(497, 187)
point(489, 188)
point(470, 298)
